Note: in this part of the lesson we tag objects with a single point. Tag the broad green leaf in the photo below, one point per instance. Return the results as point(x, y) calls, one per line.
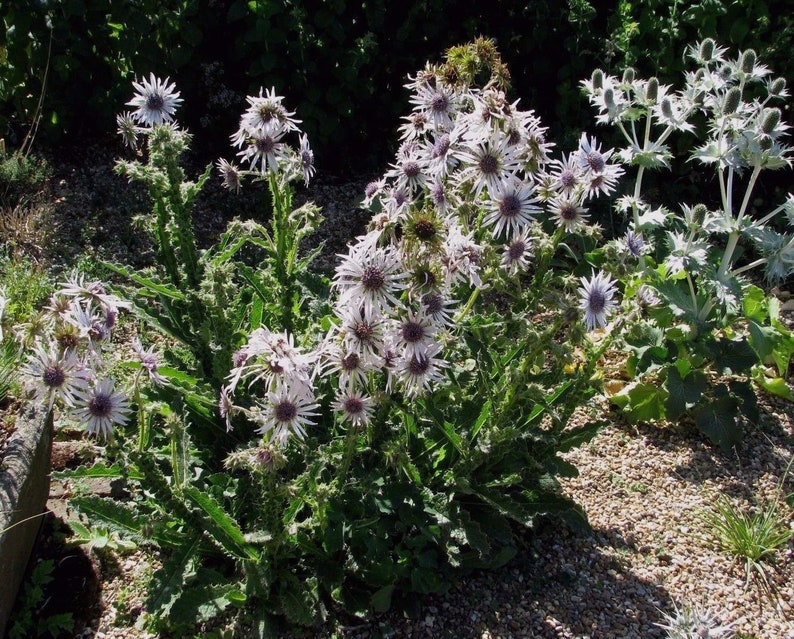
point(718, 420)
point(775, 385)
point(683, 392)
point(381, 599)
point(755, 304)
point(645, 402)
point(733, 356)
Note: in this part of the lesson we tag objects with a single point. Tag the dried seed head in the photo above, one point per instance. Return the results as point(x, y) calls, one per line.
point(732, 99)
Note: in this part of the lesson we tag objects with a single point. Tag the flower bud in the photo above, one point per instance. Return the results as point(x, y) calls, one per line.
point(699, 214)
point(598, 79)
point(778, 86)
point(706, 49)
point(667, 108)
point(747, 63)
point(652, 92)
point(765, 143)
point(769, 120)
point(732, 99)
point(609, 98)
point(628, 75)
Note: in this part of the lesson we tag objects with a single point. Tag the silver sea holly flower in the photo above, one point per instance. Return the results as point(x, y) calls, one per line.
point(596, 299)
point(101, 407)
point(155, 101)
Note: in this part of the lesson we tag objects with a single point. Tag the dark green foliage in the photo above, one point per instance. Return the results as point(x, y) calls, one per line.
point(342, 63)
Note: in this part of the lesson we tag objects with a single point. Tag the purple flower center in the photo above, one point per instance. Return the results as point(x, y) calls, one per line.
point(100, 405)
point(53, 376)
point(489, 164)
point(411, 169)
point(568, 212)
point(155, 102)
point(434, 303)
point(516, 250)
point(441, 147)
point(371, 189)
point(596, 161)
point(418, 365)
point(350, 362)
point(353, 406)
point(412, 332)
point(373, 278)
point(510, 206)
point(265, 144)
point(439, 103)
point(596, 301)
point(364, 331)
point(438, 194)
point(286, 411)
point(567, 178)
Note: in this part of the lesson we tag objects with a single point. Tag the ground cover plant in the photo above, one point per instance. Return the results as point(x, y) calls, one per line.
point(295, 444)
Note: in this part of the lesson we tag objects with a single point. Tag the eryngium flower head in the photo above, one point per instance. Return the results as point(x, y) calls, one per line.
point(596, 299)
point(155, 101)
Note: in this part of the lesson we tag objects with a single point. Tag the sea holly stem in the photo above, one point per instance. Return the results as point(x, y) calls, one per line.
point(733, 237)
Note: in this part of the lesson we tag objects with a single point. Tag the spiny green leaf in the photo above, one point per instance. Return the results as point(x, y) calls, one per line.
point(220, 526)
point(168, 581)
point(98, 470)
point(118, 517)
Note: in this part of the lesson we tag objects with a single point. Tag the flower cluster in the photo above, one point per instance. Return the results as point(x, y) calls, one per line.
point(465, 200)
point(744, 135)
point(261, 139)
point(67, 363)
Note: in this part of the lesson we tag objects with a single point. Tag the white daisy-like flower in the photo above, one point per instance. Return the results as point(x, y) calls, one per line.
point(286, 414)
point(101, 407)
point(437, 307)
point(596, 299)
point(351, 367)
point(487, 163)
point(415, 334)
point(360, 333)
point(265, 149)
point(461, 258)
point(371, 278)
point(567, 175)
point(230, 174)
point(438, 103)
point(307, 159)
point(149, 362)
point(418, 373)
point(52, 377)
point(511, 207)
point(409, 171)
point(517, 253)
point(355, 407)
point(266, 112)
point(440, 155)
point(155, 101)
point(568, 214)
point(591, 158)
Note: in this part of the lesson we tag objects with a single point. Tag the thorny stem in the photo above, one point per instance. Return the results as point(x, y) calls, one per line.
point(144, 430)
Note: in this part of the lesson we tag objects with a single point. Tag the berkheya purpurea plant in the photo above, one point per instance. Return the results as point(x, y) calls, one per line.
point(310, 443)
point(709, 329)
